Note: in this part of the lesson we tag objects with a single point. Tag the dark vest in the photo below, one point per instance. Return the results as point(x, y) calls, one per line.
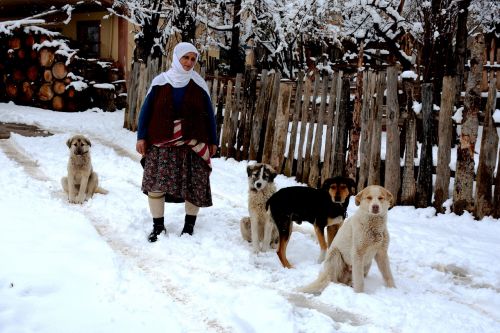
point(194, 113)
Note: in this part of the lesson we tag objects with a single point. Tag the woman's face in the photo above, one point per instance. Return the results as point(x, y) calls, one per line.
point(188, 60)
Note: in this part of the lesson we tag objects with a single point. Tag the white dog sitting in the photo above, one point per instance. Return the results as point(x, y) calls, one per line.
point(360, 239)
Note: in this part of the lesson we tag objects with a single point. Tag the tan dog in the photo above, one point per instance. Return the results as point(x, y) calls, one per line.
point(360, 239)
point(260, 188)
point(81, 182)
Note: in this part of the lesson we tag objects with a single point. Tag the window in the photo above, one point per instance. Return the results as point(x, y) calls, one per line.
point(89, 38)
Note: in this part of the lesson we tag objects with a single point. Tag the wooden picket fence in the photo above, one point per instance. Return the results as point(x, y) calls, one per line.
point(308, 129)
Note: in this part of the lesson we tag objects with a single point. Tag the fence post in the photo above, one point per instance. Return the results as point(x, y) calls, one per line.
point(487, 157)
point(445, 128)
point(326, 171)
point(310, 130)
point(464, 175)
point(376, 134)
point(299, 176)
point(227, 121)
point(268, 142)
point(392, 161)
point(341, 124)
point(258, 117)
point(281, 126)
point(247, 110)
point(318, 137)
point(364, 143)
point(235, 113)
point(424, 179)
point(408, 181)
point(293, 134)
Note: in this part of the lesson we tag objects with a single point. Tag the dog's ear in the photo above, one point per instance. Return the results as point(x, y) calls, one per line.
point(250, 169)
point(272, 173)
point(326, 184)
point(87, 141)
point(389, 196)
point(68, 142)
point(358, 197)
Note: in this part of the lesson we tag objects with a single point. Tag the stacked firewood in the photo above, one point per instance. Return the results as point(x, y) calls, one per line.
point(43, 71)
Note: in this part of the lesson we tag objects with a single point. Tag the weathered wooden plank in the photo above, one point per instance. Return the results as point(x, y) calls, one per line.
point(227, 120)
point(487, 158)
point(293, 133)
point(340, 134)
point(270, 126)
point(318, 137)
point(445, 128)
point(464, 175)
point(408, 180)
point(424, 178)
point(235, 113)
point(376, 132)
point(258, 118)
point(392, 160)
point(326, 170)
point(303, 126)
point(364, 142)
point(249, 106)
point(311, 129)
point(355, 133)
point(219, 116)
point(281, 127)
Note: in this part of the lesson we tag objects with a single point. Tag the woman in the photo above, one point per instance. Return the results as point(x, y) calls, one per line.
point(176, 136)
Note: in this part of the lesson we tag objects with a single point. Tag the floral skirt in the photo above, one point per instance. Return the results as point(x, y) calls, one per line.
point(180, 173)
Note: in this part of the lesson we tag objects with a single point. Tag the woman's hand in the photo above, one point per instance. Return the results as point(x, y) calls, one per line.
point(141, 146)
point(212, 149)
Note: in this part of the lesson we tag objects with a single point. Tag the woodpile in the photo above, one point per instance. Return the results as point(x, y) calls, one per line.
point(40, 70)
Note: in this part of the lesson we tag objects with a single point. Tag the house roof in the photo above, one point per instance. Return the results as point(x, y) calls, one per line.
point(26, 8)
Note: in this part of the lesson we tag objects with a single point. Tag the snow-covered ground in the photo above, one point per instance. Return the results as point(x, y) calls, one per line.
point(89, 268)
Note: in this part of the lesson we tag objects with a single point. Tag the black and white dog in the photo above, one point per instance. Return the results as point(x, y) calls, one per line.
point(260, 188)
point(323, 207)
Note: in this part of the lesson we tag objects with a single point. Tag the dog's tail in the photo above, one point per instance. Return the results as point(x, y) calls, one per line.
point(101, 190)
point(332, 270)
point(317, 286)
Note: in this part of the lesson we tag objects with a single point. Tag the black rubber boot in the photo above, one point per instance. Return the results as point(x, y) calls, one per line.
point(158, 228)
point(189, 222)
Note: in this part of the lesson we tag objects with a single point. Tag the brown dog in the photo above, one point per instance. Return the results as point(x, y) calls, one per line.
point(361, 238)
point(324, 207)
point(81, 182)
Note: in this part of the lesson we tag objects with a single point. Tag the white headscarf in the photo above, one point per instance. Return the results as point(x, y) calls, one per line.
point(176, 75)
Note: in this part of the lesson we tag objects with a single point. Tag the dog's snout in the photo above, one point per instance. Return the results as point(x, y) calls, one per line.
point(375, 209)
point(258, 185)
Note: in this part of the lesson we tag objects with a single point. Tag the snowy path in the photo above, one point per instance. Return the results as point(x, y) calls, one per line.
point(444, 266)
point(151, 266)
